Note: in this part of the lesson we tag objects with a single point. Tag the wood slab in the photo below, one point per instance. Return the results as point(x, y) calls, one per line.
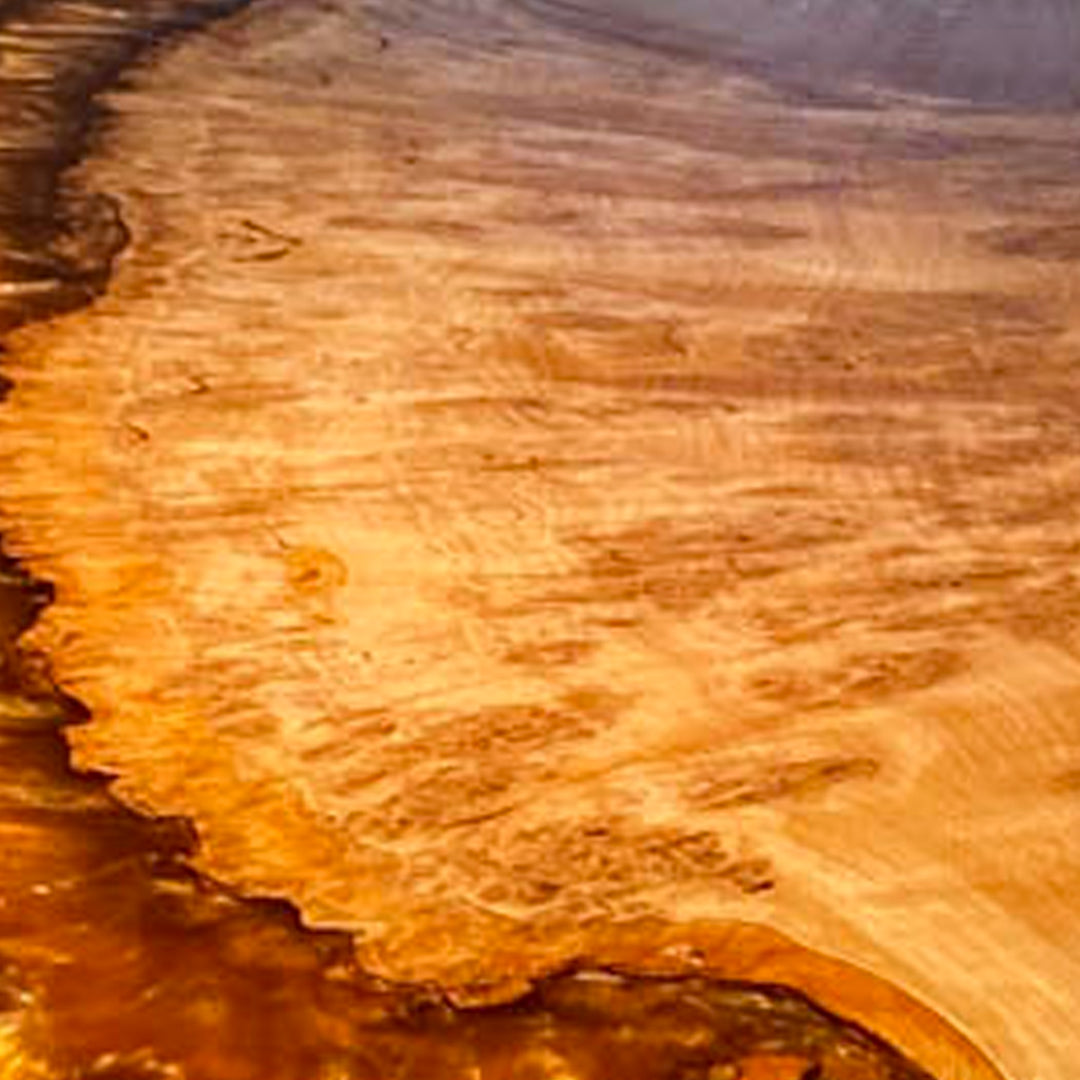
point(538, 469)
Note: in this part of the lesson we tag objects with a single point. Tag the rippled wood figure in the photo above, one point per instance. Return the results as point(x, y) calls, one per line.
point(542, 539)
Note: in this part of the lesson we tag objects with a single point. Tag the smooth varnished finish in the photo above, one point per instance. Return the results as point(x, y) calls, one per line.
point(551, 483)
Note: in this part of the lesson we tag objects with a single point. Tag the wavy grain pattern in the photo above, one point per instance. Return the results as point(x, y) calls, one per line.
point(548, 483)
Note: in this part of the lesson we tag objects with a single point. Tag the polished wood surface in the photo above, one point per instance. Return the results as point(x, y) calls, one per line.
point(542, 468)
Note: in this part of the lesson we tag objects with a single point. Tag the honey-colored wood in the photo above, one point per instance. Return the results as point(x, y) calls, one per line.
point(536, 473)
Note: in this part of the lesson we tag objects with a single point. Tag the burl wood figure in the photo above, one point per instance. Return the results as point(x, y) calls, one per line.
point(543, 539)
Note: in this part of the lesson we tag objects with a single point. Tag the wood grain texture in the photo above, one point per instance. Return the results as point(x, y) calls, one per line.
point(534, 473)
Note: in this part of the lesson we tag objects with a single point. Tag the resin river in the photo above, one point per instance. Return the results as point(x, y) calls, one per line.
point(542, 539)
